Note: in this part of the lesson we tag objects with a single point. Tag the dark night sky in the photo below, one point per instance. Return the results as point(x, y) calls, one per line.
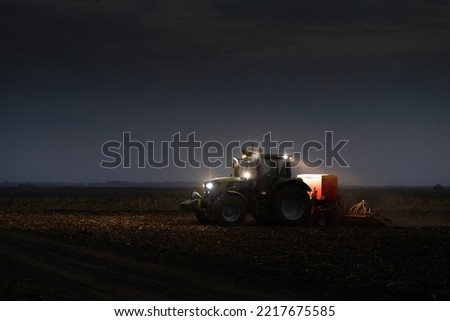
point(74, 74)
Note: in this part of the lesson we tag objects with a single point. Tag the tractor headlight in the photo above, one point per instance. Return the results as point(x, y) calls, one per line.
point(247, 174)
point(209, 185)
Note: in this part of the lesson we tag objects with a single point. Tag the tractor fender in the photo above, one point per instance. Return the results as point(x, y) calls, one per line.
point(290, 181)
point(244, 199)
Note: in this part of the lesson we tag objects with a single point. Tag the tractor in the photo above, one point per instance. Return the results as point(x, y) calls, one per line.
point(261, 184)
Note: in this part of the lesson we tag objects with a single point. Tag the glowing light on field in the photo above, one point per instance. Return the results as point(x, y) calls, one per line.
point(324, 186)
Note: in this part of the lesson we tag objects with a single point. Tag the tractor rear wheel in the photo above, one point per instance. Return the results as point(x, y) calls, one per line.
point(291, 206)
point(229, 210)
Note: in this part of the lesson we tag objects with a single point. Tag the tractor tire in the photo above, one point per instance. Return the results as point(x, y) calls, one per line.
point(291, 206)
point(229, 211)
point(202, 218)
point(323, 219)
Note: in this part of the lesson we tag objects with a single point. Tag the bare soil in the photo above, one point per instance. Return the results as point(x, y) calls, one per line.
point(134, 245)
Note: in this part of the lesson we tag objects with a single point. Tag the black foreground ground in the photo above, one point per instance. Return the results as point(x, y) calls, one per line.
point(84, 244)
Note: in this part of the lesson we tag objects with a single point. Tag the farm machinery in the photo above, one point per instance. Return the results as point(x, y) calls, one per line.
point(262, 185)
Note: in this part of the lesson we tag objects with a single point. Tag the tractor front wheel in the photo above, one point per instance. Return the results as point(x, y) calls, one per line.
point(229, 210)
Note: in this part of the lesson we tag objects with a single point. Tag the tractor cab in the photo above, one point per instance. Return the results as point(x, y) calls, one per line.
point(264, 170)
